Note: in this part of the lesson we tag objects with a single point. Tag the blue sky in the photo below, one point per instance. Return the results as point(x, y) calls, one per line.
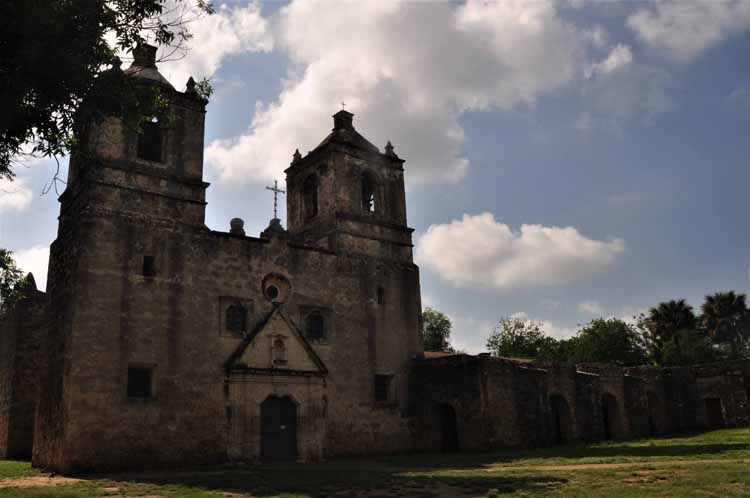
point(565, 160)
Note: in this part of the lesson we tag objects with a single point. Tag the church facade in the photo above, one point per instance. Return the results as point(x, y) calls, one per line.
point(161, 342)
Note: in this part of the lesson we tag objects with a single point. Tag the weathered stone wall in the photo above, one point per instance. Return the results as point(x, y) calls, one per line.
point(119, 210)
point(502, 403)
point(22, 330)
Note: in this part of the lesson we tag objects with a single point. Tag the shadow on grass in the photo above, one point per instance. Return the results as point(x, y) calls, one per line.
point(341, 480)
point(612, 451)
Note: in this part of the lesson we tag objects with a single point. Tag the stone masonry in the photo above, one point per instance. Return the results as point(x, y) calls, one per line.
point(160, 342)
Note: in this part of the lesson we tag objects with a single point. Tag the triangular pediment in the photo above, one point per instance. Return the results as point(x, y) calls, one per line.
point(276, 346)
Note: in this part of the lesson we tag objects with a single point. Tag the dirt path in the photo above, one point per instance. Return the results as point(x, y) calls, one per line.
point(623, 465)
point(35, 481)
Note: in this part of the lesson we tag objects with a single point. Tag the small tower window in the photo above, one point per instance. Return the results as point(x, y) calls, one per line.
point(140, 382)
point(381, 295)
point(150, 141)
point(236, 318)
point(382, 388)
point(278, 352)
point(149, 267)
point(369, 191)
point(315, 326)
point(310, 196)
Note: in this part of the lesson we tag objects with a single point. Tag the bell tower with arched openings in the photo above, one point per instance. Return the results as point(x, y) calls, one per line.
point(346, 195)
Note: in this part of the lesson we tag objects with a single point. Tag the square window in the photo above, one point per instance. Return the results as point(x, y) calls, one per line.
point(149, 266)
point(140, 382)
point(382, 388)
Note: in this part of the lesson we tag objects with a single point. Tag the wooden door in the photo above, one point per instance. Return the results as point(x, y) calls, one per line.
point(278, 430)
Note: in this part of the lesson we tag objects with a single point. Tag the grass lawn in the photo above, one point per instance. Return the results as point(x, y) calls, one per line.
point(713, 464)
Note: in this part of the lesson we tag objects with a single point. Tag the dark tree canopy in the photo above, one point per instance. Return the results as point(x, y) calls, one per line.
point(607, 341)
point(663, 323)
point(436, 331)
point(10, 277)
point(725, 317)
point(54, 57)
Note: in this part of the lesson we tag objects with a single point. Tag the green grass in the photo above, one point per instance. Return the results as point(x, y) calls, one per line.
point(702, 465)
point(13, 468)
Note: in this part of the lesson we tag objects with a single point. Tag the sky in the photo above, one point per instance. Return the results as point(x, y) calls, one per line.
point(565, 160)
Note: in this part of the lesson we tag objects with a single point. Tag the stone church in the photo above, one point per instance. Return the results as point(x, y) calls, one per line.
point(161, 342)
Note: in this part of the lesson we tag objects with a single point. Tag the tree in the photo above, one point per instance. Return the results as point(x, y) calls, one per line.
point(725, 316)
point(607, 341)
point(436, 331)
point(689, 347)
point(521, 338)
point(10, 276)
point(54, 58)
point(663, 322)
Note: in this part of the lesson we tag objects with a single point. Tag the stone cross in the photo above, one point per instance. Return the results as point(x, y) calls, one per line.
point(343, 106)
point(276, 191)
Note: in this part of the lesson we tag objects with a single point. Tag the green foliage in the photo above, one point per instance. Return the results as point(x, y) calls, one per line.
point(662, 325)
point(607, 341)
point(689, 347)
point(204, 89)
point(10, 276)
point(54, 57)
point(521, 338)
point(727, 321)
point(436, 331)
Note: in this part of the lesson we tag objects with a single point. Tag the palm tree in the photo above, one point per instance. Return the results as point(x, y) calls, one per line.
point(664, 321)
point(725, 316)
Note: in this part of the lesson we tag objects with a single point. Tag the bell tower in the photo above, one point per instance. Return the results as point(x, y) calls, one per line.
point(154, 169)
point(346, 195)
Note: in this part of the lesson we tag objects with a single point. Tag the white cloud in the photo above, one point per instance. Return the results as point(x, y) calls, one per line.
point(470, 334)
point(619, 56)
point(229, 31)
point(479, 251)
point(634, 91)
point(35, 260)
point(591, 308)
point(684, 29)
point(14, 195)
point(411, 68)
point(547, 326)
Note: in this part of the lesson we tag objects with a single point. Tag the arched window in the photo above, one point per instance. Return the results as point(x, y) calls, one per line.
point(236, 318)
point(369, 193)
point(315, 326)
point(310, 196)
point(278, 352)
point(150, 141)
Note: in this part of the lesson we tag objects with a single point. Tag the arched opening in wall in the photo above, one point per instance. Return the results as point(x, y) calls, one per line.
point(654, 414)
point(562, 421)
point(714, 413)
point(310, 197)
point(278, 423)
point(369, 193)
point(446, 428)
point(611, 417)
point(150, 141)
